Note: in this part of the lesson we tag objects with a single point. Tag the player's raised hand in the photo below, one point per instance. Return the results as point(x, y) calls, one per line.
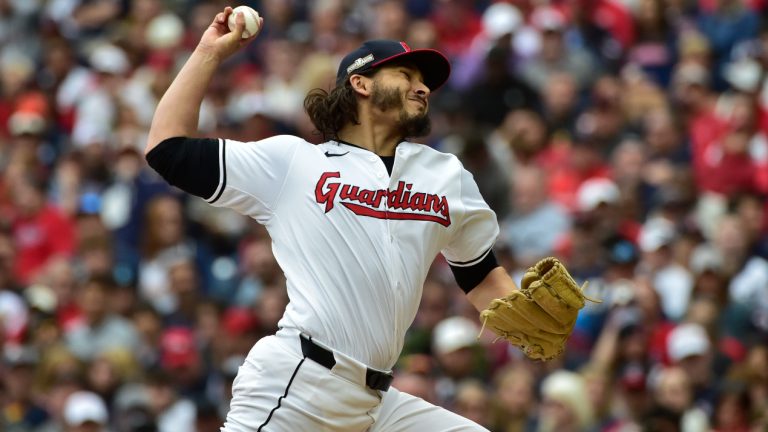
point(222, 42)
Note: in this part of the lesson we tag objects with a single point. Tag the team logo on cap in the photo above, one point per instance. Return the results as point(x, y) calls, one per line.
point(360, 62)
point(401, 203)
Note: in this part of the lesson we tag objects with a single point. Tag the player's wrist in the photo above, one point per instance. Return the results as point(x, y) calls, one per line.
point(208, 53)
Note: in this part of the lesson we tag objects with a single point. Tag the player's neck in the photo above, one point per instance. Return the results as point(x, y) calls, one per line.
point(377, 137)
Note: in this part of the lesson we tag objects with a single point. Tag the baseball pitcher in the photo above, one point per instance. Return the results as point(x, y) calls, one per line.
point(355, 222)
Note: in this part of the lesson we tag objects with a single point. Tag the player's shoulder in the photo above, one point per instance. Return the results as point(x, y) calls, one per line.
point(429, 154)
point(280, 140)
point(279, 146)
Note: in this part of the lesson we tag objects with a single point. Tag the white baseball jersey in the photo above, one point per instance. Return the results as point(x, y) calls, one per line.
point(354, 242)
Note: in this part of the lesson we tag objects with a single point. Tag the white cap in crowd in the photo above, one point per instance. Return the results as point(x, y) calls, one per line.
point(501, 19)
point(706, 258)
point(109, 59)
point(547, 18)
point(165, 31)
point(83, 407)
point(596, 191)
point(454, 333)
point(570, 389)
point(685, 340)
point(655, 233)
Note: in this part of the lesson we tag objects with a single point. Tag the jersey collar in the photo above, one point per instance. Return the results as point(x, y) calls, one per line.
point(340, 141)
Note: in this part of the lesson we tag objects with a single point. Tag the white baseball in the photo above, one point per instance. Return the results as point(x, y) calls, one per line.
point(251, 20)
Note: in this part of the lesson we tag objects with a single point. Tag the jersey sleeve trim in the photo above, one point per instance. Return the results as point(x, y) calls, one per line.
point(189, 164)
point(472, 261)
point(222, 172)
point(469, 277)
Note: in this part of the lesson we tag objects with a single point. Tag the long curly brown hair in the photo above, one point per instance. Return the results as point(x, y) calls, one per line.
point(330, 111)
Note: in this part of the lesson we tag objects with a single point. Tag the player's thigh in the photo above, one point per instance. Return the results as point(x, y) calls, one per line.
point(402, 412)
point(260, 386)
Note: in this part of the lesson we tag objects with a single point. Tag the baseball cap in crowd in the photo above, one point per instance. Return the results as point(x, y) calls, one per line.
point(26, 123)
point(14, 316)
point(238, 321)
point(374, 53)
point(85, 407)
point(570, 389)
point(164, 31)
point(30, 115)
point(706, 258)
point(178, 348)
point(744, 74)
point(501, 19)
point(621, 251)
point(547, 18)
point(109, 59)
point(41, 298)
point(633, 377)
point(655, 233)
point(454, 333)
point(691, 74)
point(596, 191)
point(685, 340)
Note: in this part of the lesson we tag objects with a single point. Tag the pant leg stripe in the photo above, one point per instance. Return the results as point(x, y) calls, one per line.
point(280, 399)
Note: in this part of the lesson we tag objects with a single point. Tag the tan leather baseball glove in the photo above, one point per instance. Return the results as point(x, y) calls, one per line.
point(539, 317)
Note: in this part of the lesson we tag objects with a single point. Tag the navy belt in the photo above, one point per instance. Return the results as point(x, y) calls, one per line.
point(374, 379)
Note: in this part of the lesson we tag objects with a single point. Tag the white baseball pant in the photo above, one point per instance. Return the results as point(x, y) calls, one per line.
point(277, 389)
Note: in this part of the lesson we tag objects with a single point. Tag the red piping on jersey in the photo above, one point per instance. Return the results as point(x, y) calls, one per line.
point(379, 214)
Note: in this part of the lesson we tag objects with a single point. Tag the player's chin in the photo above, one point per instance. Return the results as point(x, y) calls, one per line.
point(415, 125)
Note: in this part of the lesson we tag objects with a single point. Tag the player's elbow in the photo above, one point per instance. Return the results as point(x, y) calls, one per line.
point(153, 140)
point(148, 148)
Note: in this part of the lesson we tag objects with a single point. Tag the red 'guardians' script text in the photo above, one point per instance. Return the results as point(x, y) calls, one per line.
point(399, 203)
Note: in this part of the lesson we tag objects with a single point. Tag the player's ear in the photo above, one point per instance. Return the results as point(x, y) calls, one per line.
point(361, 84)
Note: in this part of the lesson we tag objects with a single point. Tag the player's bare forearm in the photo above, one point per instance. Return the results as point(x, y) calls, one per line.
point(178, 110)
point(496, 284)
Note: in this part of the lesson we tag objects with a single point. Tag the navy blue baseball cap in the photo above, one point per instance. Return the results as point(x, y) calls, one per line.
point(374, 53)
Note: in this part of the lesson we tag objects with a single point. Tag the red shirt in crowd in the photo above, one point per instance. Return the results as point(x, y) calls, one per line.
point(715, 168)
point(38, 238)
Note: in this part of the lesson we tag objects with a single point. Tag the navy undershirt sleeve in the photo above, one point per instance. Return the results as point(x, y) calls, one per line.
point(469, 277)
point(191, 164)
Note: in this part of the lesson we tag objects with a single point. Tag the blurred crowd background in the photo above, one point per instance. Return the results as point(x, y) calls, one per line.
point(627, 137)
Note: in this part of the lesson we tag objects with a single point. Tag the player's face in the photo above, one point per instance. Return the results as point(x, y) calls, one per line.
point(399, 89)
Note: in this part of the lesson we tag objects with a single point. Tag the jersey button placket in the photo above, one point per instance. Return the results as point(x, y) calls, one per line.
point(392, 182)
point(381, 173)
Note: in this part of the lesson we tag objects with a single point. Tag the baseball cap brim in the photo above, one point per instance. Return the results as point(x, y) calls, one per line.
point(434, 67)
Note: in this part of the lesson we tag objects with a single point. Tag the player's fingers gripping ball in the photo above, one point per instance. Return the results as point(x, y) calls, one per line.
point(540, 316)
point(251, 20)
